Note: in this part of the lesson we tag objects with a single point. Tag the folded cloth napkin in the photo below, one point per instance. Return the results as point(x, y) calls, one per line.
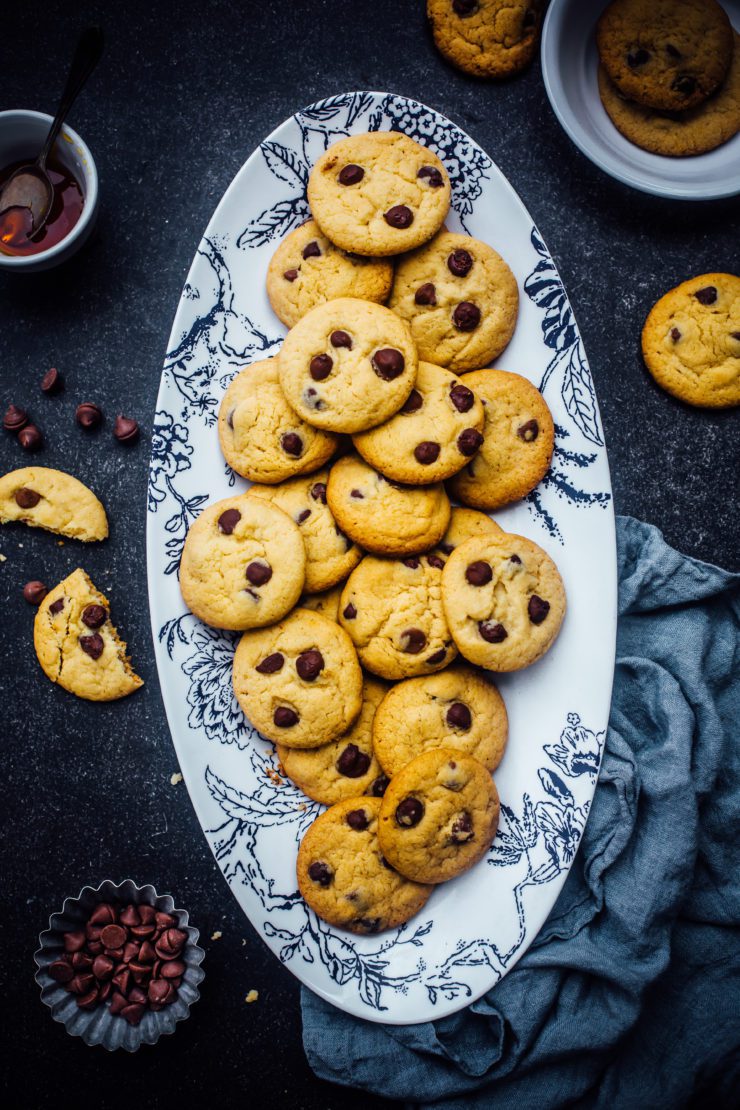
point(630, 995)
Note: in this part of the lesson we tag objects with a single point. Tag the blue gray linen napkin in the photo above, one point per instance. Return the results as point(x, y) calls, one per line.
point(630, 995)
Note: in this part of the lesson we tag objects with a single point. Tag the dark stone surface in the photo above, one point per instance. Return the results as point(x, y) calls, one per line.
point(176, 107)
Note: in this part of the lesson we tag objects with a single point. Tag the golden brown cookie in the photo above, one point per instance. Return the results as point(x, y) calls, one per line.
point(465, 523)
point(326, 603)
point(486, 38)
point(50, 499)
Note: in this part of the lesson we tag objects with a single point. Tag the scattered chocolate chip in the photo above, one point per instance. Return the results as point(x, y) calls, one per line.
point(94, 616)
point(303, 515)
point(93, 646)
point(529, 431)
point(290, 275)
point(125, 429)
point(311, 250)
point(271, 664)
point(309, 665)
point(460, 262)
point(357, 495)
point(357, 820)
point(684, 84)
point(379, 786)
point(707, 295)
point(74, 941)
point(388, 363)
point(318, 492)
point(292, 444)
point(413, 641)
point(228, 521)
point(350, 612)
point(462, 829)
point(538, 609)
point(320, 367)
point(435, 561)
point(26, 498)
point(352, 762)
point(675, 335)
point(466, 316)
point(459, 716)
point(60, 971)
point(462, 398)
point(34, 592)
point(284, 717)
point(637, 57)
point(258, 573)
point(57, 606)
point(399, 216)
point(469, 441)
point(514, 559)
point(88, 416)
point(15, 418)
point(341, 339)
point(426, 294)
point(412, 403)
point(411, 562)
point(351, 174)
point(492, 632)
point(464, 8)
point(320, 873)
point(311, 399)
point(409, 812)
point(673, 50)
point(102, 967)
point(479, 573)
point(30, 438)
point(426, 452)
point(432, 176)
point(113, 936)
point(437, 657)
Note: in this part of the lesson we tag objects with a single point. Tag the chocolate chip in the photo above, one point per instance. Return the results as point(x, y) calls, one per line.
point(469, 441)
point(462, 398)
point(466, 316)
point(292, 444)
point(357, 495)
point(228, 521)
point(303, 515)
point(411, 563)
point(675, 335)
point(258, 573)
point(271, 664)
point(318, 492)
point(284, 717)
point(113, 936)
point(57, 606)
point(125, 429)
point(367, 924)
point(412, 403)
point(637, 57)
point(447, 548)
point(438, 657)
point(341, 339)
point(460, 263)
point(735, 335)
point(492, 632)
point(94, 616)
point(309, 665)
point(399, 216)
point(673, 50)
point(684, 84)
point(479, 573)
point(462, 829)
point(514, 559)
point(351, 174)
point(350, 612)
point(357, 819)
point(379, 786)
point(74, 941)
point(311, 399)
point(92, 645)
point(60, 971)
point(30, 438)
point(130, 916)
point(26, 498)
point(89, 416)
point(311, 250)
point(435, 561)
point(34, 592)
point(409, 812)
point(432, 176)
point(15, 418)
point(320, 873)
point(464, 8)
point(426, 294)
point(529, 431)
point(413, 641)
point(320, 367)
point(426, 452)
point(707, 295)
point(102, 967)
point(352, 762)
point(290, 275)
point(388, 363)
point(458, 716)
point(538, 609)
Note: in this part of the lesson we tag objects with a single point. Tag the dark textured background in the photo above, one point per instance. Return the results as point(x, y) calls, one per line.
point(178, 103)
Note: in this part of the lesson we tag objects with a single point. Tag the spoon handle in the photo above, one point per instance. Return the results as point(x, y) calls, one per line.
point(86, 57)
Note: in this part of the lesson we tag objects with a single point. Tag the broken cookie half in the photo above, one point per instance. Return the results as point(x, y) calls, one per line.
point(51, 499)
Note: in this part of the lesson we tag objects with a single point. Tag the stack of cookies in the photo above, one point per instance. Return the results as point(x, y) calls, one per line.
point(367, 601)
point(670, 74)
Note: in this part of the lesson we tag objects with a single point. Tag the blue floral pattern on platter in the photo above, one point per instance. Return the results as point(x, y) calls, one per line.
point(254, 818)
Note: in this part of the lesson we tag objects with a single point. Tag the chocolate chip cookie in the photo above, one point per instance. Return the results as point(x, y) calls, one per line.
point(668, 54)
point(53, 500)
point(438, 816)
point(465, 523)
point(330, 555)
point(348, 365)
point(691, 341)
point(243, 564)
point(382, 516)
point(379, 194)
point(392, 609)
point(261, 436)
point(77, 644)
point(457, 709)
point(518, 441)
point(504, 601)
point(344, 877)
point(486, 38)
point(435, 433)
point(344, 768)
point(307, 269)
point(298, 681)
point(460, 299)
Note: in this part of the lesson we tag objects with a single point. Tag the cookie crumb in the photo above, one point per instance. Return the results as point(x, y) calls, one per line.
point(243, 942)
point(252, 996)
point(174, 779)
point(3, 558)
point(274, 777)
point(60, 543)
point(217, 935)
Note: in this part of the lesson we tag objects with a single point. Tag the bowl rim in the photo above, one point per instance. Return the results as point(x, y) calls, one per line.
point(20, 262)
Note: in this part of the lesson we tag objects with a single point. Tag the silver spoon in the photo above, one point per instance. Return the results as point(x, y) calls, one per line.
point(30, 185)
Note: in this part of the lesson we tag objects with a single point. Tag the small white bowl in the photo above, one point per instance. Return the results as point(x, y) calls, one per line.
point(22, 135)
point(569, 68)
